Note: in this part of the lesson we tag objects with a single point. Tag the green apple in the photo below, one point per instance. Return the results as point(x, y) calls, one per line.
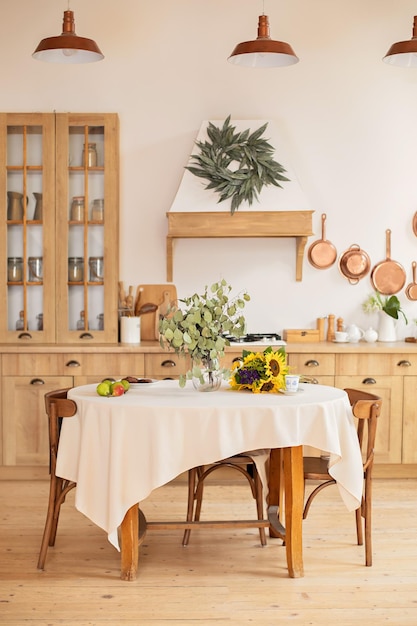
point(125, 383)
point(103, 389)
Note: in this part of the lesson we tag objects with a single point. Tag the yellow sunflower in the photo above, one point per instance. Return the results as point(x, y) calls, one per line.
point(276, 368)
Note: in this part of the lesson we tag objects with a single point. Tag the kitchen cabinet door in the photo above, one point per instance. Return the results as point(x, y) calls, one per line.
point(388, 446)
point(87, 196)
point(25, 423)
point(410, 420)
point(27, 227)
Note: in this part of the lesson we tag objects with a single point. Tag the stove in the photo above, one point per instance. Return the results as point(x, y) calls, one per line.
point(258, 339)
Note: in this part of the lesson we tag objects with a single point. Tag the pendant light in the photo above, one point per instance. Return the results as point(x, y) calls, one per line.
point(68, 47)
point(263, 51)
point(404, 53)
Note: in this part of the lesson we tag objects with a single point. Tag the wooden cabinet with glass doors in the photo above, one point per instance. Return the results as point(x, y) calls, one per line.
point(59, 227)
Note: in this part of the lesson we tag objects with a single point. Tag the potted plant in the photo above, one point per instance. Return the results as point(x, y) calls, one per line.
point(199, 330)
point(390, 307)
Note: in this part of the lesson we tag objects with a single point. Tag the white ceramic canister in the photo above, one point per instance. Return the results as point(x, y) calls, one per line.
point(130, 330)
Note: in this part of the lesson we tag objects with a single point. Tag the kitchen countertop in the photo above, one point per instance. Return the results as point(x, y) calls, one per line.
point(149, 347)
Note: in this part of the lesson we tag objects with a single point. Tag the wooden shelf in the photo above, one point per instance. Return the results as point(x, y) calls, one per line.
point(191, 225)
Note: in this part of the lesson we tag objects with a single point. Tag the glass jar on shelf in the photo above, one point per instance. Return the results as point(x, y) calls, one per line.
point(20, 324)
point(15, 269)
point(35, 269)
point(40, 321)
point(75, 269)
point(81, 321)
point(96, 269)
point(77, 209)
point(91, 155)
point(97, 210)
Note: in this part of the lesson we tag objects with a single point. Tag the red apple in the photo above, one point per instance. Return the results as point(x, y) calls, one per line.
point(117, 389)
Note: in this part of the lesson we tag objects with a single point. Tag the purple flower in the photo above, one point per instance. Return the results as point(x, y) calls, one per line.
point(247, 377)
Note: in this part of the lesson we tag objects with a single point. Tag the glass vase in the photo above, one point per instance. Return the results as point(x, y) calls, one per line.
point(206, 374)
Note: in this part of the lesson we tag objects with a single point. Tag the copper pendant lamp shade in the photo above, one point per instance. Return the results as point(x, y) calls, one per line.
point(68, 47)
point(263, 51)
point(404, 53)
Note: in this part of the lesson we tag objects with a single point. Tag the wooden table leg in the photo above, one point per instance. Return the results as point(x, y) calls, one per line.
point(129, 532)
point(294, 497)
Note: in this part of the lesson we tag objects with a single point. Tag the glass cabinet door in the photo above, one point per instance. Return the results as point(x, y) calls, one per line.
point(87, 227)
point(27, 227)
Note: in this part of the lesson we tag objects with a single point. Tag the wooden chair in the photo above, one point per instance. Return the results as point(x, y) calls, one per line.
point(242, 463)
point(366, 408)
point(57, 406)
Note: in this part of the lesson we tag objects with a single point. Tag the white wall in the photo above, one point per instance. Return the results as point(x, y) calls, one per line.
point(349, 122)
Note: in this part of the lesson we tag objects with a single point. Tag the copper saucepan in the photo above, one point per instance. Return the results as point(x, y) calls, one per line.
point(354, 264)
point(322, 253)
point(388, 277)
point(415, 223)
point(411, 291)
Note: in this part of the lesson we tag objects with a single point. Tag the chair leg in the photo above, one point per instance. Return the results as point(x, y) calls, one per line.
point(368, 535)
point(359, 528)
point(57, 494)
point(192, 476)
point(259, 503)
point(48, 523)
point(367, 513)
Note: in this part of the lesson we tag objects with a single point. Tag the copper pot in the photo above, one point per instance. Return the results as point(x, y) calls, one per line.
point(354, 264)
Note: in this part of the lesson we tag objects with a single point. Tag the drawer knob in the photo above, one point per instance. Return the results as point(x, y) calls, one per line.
point(37, 381)
point(404, 363)
point(86, 336)
point(73, 364)
point(168, 363)
point(312, 363)
point(369, 381)
point(24, 336)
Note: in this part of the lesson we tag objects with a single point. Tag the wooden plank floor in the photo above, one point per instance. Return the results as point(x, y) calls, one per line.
point(222, 577)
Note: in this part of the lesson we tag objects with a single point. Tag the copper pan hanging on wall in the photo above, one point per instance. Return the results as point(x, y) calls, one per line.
point(322, 253)
point(411, 291)
point(415, 223)
point(388, 277)
point(354, 264)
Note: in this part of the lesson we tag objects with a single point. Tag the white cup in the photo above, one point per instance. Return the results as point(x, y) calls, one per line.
point(130, 330)
point(291, 383)
point(341, 335)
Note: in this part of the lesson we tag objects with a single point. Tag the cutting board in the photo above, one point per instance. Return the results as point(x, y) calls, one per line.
point(162, 296)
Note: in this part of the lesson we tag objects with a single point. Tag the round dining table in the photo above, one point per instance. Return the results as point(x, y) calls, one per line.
point(119, 449)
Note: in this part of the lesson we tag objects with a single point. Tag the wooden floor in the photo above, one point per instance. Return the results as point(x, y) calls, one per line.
point(222, 577)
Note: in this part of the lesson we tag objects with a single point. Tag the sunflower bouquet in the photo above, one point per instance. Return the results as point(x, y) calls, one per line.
point(260, 371)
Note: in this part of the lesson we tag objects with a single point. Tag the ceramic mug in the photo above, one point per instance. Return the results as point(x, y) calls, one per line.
point(341, 336)
point(291, 383)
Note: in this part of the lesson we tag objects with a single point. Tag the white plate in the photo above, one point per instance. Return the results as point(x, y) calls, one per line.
point(144, 384)
point(340, 340)
point(290, 393)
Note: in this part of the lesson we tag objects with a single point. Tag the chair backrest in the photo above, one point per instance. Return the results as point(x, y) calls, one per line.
point(366, 407)
point(57, 406)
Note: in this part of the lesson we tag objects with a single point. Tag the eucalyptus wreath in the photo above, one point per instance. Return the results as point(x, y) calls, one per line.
point(237, 165)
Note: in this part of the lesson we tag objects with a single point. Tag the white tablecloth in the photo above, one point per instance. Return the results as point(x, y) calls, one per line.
point(119, 449)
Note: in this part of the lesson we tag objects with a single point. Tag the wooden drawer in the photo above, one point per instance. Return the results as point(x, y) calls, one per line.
point(73, 364)
point(376, 364)
point(313, 364)
point(30, 364)
point(101, 365)
point(165, 365)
